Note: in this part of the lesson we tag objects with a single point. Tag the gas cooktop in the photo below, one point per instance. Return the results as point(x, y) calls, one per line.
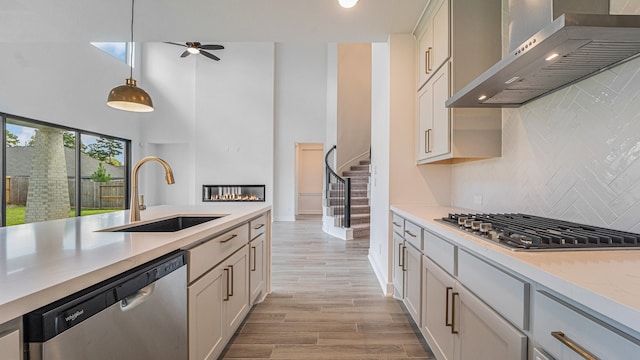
point(522, 232)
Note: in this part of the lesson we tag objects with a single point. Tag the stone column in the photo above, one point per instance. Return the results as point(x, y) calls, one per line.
point(48, 196)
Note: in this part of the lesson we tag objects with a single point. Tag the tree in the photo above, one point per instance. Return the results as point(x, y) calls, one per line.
point(69, 140)
point(106, 150)
point(11, 139)
point(101, 175)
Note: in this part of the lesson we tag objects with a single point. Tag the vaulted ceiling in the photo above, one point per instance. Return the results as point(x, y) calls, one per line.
point(206, 20)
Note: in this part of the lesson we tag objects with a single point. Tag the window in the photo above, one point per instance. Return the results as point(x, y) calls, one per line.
point(119, 50)
point(53, 172)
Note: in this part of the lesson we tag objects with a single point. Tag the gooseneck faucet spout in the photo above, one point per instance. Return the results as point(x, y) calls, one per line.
point(134, 209)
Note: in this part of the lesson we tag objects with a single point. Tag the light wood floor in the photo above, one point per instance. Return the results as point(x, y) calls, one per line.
point(325, 304)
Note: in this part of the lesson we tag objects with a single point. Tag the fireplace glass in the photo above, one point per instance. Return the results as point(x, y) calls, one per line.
point(219, 193)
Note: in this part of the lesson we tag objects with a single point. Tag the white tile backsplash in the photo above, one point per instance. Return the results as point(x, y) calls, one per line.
point(571, 155)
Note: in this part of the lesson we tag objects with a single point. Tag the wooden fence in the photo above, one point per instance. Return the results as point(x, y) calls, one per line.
point(95, 195)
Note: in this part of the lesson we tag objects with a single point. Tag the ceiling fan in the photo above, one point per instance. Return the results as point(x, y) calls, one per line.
point(197, 48)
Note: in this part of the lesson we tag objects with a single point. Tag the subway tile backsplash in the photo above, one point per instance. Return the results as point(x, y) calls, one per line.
point(571, 155)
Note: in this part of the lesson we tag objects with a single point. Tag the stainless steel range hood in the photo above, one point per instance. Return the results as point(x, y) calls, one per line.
point(571, 48)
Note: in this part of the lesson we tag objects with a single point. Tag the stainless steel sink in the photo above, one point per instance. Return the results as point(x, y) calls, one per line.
point(173, 224)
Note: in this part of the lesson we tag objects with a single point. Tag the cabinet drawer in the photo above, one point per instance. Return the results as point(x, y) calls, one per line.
point(505, 293)
point(601, 340)
point(207, 255)
point(258, 226)
point(441, 251)
point(413, 234)
point(398, 224)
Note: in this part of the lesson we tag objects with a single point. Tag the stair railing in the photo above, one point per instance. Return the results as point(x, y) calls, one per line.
point(338, 189)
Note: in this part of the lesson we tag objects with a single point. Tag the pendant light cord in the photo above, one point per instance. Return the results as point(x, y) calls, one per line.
point(131, 43)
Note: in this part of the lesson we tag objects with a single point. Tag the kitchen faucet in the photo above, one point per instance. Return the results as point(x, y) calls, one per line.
point(134, 209)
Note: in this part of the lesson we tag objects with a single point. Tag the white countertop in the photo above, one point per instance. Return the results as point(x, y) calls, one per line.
point(607, 282)
point(43, 262)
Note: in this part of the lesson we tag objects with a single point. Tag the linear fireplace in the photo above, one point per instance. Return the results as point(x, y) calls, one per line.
point(220, 193)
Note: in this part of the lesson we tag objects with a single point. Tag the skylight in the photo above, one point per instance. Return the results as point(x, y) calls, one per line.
point(116, 49)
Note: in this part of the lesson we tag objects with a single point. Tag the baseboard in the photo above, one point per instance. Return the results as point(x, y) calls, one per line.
point(387, 288)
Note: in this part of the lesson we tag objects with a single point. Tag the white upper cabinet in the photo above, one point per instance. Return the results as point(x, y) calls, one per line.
point(433, 43)
point(457, 40)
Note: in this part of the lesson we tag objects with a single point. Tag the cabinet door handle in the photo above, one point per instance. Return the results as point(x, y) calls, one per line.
point(227, 294)
point(426, 61)
point(453, 312)
point(410, 233)
point(559, 335)
point(254, 258)
point(231, 270)
point(404, 259)
point(229, 239)
point(429, 60)
point(428, 140)
point(446, 307)
point(400, 257)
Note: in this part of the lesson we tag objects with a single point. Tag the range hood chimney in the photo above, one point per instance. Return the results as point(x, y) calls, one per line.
point(578, 39)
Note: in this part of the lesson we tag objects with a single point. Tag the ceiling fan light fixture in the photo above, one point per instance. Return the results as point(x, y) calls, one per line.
point(193, 50)
point(347, 4)
point(129, 97)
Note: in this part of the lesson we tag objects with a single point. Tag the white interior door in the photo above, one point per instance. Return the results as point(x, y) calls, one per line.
point(310, 168)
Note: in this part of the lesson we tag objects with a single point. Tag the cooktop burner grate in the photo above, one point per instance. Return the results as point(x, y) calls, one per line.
point(529, 232)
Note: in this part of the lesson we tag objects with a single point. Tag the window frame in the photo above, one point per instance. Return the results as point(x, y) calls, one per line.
point(78, 171)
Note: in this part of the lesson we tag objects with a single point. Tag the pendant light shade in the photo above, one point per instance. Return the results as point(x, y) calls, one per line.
point(129, 97)
point(347, 4)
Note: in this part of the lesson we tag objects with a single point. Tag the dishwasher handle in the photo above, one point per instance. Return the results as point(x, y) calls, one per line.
point(131, 302)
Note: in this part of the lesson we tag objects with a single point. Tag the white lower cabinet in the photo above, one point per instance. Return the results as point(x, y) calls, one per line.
point(460, 326)
point(412, 279)
point(10, 341)
point(217, 303)
point(398, 265)
point(257, 268)
point(564, 331)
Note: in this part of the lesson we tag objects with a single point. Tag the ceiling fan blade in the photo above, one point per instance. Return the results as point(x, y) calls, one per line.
point(172, 43)
point(185, 54)
point(212, 47)
point(210, 56)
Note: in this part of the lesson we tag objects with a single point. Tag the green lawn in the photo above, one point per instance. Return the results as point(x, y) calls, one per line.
point(15, 214)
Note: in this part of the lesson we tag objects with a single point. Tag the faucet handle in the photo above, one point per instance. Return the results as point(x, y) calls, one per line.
point(142, 206)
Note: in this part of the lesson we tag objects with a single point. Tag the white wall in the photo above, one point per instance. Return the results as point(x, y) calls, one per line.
point(234, 137)
point(213, 123)
point(332, 98)
point(300, 114)
point(571, 155)
point(66, 84)
point(169, 131)
point(379, 185)
point(354, 104)
point(393, 149)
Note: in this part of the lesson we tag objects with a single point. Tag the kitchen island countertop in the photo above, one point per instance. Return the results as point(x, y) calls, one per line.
point(43, 262)
point(605, 281)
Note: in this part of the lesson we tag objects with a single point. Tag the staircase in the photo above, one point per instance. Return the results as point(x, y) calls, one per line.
point(360, 207)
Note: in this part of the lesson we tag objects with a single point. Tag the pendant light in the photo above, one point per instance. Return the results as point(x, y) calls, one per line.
point(129, 97)
point(347, 4)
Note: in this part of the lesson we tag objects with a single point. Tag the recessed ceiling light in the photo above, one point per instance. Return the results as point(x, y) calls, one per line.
point(347, 4)
point(552, 56)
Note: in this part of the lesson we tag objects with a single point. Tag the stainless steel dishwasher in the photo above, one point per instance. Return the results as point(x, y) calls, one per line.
point(140, 314)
